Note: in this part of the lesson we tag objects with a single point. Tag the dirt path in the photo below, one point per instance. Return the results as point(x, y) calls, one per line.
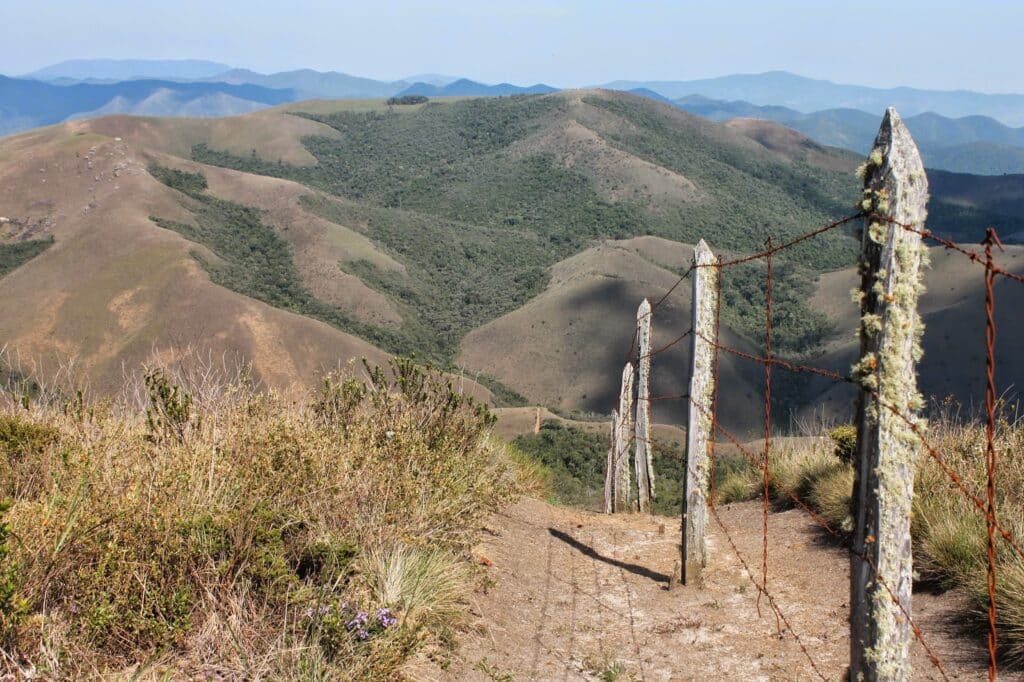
point(581, 596)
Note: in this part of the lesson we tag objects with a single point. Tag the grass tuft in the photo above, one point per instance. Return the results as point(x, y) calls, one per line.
point(427, 586)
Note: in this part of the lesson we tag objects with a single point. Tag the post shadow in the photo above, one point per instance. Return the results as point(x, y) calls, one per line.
point(641, 571)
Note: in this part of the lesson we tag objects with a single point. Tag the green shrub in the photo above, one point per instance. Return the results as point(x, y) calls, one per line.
point(737, 486)
point(169, 414)
point(12, 609)
point(844, 439)
point(406, 100)
point(575, 460)
point(830, 494)
point(21, 437)
point(183, 181)
point(16, 254)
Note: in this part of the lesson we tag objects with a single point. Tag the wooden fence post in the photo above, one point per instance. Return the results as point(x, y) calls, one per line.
point(895, 191)
point(609, 470)
point(699, 423)
point(623, 439)
point(644, 452)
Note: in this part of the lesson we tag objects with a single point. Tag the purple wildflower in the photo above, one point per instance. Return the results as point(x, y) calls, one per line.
point(386, 618)
point(358, 622)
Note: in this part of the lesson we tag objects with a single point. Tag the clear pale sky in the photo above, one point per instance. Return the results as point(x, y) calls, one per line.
point(938, 44)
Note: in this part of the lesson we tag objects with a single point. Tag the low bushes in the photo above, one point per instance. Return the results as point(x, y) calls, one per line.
point(253, 535)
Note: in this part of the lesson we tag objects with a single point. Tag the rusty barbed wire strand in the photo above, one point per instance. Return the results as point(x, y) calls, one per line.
point(991, 239)
point(767, 420)
point(771, 600)
point(792, 242)
point(668, 293)
point(779, 362)
point(821, 521)
point(667, 346)
point(978, 258)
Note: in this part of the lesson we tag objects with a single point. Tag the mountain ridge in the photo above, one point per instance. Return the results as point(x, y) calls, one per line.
point(129, 69)
point(327, 230)
point(945, 143)
point(805, 95)
point(464, 87)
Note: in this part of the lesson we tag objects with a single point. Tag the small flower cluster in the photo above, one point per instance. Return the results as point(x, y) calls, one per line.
point(386, 618)
point(360, 624)
point(318, 612)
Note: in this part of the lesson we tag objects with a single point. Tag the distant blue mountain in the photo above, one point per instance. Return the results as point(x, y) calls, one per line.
point(807, 94)
point(651, 94)
point(439, 79)
point(467, 88)
point(31, 103)
point(972, 144)
point(130, 69)
point(310, 84)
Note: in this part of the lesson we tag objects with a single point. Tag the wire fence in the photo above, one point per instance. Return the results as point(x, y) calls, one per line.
point(985, 503)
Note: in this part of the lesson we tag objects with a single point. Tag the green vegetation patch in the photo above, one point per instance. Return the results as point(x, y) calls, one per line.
point(577, 459)
point(252, 259)
point(754, 195)
point(478, 222)
point(16, 254)
point(797, 330)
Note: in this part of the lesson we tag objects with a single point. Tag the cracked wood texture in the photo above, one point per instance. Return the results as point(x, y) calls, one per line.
point(644, 452)
point(621, 497)
point(895, 192)
point(699, 422)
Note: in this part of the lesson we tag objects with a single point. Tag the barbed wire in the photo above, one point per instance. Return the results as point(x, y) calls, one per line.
point(986, 506)
point(762, 590)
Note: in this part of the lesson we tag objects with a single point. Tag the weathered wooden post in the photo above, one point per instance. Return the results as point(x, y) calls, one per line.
point(699, 422)
point(609, 470)
point(895, 191)
point(623, 439)
point(644, 453)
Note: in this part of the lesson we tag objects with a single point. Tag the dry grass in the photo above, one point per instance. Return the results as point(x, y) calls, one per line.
point(949, 539)
point(242, 533)
point(948, 529)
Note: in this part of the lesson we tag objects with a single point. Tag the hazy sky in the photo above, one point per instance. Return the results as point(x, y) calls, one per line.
point(935, 44)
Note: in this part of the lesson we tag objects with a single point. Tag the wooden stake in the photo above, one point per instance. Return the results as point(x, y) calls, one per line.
point(623, 439)
point(890, 329)
point(699, 422)
point(644, 453)
point(609, 470)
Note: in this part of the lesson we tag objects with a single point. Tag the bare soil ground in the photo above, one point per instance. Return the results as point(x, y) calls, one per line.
point(582, 596)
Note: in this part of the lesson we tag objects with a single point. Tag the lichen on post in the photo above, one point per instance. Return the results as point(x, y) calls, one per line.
point(892, 257)
point(699, 422)
point(644, 453)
